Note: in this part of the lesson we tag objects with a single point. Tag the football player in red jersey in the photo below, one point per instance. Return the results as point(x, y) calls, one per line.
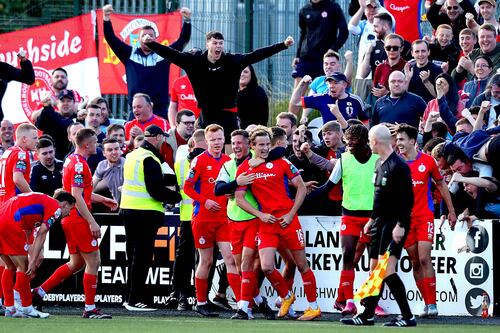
point(279, 220)
point(22, 214)
point(421, 235)
point(80, 228)
point(209, 221)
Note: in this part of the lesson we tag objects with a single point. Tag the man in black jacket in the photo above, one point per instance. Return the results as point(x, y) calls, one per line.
point(146, 72)
point(389, 223)
point(322, 27)
point(143, 196)
point(215, 76)
point(11, 73)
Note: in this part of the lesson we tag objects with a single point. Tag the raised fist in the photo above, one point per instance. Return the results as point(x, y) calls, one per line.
point(289, 41)
point(107, 10)
point(186, 13)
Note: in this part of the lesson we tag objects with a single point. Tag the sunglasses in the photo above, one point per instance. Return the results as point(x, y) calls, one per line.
point(392, 48)
point(452, 7)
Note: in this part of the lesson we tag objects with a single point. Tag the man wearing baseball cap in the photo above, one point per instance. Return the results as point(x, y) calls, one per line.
point(143, 195)
point(335, 100)
point(487, 14)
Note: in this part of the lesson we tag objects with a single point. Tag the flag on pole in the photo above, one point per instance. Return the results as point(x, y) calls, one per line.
point(372, 286)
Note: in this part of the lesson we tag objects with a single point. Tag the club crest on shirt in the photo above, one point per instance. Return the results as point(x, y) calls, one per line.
point(421, 168)
point(269, 165)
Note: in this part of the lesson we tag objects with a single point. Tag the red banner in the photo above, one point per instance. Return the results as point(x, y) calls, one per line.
point(126, 27)
point(69, 44)
point(407, 15)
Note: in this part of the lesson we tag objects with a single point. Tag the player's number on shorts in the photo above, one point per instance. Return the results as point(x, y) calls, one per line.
point(430, 228)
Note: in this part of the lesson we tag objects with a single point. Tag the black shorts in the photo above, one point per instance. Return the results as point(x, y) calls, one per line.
point(381, 237)
point(308, 67)
point(227, 119)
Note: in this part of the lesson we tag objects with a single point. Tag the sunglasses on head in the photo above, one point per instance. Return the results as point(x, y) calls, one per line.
point(392, 48)
point(452, 7)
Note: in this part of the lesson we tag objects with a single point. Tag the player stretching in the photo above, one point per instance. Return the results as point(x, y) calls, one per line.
point(21, 215)
point(421, 235)
point(279, 220)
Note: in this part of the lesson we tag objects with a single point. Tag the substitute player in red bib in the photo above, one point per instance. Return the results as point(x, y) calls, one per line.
point(209, 221)
point(421, 235)
point(21, 215)
point(279, 220)
point(80, 228)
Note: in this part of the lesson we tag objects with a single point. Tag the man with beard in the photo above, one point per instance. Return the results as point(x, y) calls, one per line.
point(93, 118)
point(178, 135)
point(351, 106)
point(355, 169)
point(421, 234)
point(46, 174)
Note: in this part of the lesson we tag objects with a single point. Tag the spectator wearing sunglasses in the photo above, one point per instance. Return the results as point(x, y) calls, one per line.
point(393, 46)
point(452, 14)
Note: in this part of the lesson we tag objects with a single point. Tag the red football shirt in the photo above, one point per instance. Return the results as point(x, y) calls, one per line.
point(335, 193)
point(154, 120)
point(200, 186)
point(183, 95)
point(270, 186)
point(423, 169)
point(76, 173)
point(29, 210)
point(13, 160)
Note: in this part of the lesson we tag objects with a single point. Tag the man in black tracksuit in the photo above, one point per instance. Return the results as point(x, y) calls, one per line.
point(215, 76)
point(389, 225)
point(322, 27)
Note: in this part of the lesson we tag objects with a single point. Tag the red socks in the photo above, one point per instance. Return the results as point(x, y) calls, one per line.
point(346, 283)
point(89, 288)
point(201, 286)
point(8, 287)
point(248, 282)
point(61, 274)
point(235, 283)
point(421, 287)
point(430, 288)
point(289, 283)
point(278, 283)
point(309, 285)
point(23, 286)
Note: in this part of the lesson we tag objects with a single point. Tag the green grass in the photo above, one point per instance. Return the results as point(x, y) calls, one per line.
point(138, 324)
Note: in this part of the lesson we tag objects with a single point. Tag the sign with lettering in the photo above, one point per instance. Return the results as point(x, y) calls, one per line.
point(69, 44)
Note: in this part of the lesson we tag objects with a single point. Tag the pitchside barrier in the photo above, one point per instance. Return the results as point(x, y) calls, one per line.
point(463, 260)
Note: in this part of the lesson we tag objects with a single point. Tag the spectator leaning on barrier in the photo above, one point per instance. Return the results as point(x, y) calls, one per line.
point(146, 71)
point(141, 206)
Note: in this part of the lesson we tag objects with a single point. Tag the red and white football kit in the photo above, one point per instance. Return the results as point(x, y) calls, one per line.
point(423, 170)
point(270, 188)
point(183, 95)
point(208, 226)
point(14, 159)
point(76, 173)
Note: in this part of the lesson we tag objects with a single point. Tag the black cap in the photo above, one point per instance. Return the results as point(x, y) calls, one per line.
point(337, 77)
point(153, 130)
point(66, 93)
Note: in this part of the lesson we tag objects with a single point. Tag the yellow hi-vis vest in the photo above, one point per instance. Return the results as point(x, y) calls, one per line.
point(134, 192)
point(181, 168)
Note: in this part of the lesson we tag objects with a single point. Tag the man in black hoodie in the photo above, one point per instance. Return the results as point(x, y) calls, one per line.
point(322, 27)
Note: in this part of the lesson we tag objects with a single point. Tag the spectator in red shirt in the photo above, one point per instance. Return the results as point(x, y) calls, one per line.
point(182, 98)
point(394, 62)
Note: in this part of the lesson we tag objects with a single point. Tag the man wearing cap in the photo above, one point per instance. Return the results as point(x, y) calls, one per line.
point(350, 106)
point(55, 123)
point(487, 10)
point(143, 195)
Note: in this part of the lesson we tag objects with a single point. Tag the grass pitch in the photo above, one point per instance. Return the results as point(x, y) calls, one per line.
point(142, 324)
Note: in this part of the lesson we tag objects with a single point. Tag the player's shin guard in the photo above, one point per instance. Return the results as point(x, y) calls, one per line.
point(346, 283)
point(89, 288)
point(61, 274)
point(278, 283)
point(248, 282)
point(235, 283)
point(309, 281)
point(201, 286)
point(421, 285)
point(430, 289)
point(8, 287)
point(23, 286)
